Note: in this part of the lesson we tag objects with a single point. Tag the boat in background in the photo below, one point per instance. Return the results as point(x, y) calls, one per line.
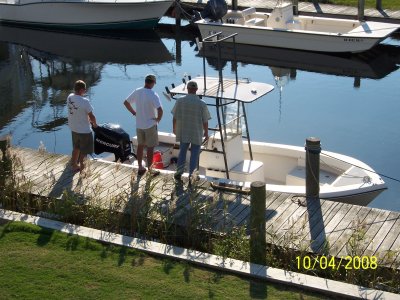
point(84, 14)
point(282, 29)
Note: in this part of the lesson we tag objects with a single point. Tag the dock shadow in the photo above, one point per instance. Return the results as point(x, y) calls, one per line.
point(316, 224)
point(64, 182)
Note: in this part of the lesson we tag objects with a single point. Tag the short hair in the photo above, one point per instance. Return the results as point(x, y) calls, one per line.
point(150, 78)
point(192, 84)
point(79, 84)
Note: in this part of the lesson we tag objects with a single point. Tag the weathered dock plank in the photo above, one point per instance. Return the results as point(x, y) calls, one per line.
point(317, 9)
point(320, 226)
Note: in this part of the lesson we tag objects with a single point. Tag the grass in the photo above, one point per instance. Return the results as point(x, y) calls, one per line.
point(38, 263)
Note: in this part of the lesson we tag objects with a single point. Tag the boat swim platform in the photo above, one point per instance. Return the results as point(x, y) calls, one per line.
point(291, 221)
point(313, 9)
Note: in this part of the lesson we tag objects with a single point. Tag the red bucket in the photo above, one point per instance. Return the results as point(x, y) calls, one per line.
point(157, 160)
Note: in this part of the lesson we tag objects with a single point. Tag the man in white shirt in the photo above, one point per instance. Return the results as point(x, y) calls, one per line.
point(80, 116)
point(148, 114)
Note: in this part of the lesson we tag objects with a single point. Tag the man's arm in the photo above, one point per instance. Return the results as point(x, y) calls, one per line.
point(129, 107)
point(92, 119)
point(205, 129)
point(160, 113)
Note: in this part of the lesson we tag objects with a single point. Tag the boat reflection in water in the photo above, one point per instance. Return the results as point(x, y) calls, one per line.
point(374, 64)
point(37, 67)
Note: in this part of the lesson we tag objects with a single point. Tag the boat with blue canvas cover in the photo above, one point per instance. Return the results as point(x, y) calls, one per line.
point(84, 14)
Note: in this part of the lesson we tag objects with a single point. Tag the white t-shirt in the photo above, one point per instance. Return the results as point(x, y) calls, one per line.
point(78, 109)
point(146, 102)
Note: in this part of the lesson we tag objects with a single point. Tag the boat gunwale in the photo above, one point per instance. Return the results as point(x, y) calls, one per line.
point(298, 31)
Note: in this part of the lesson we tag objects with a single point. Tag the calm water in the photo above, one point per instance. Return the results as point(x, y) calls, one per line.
point(351, 103)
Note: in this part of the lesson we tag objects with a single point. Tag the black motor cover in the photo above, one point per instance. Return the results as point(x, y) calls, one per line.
point(112, 138)
point(214, 10)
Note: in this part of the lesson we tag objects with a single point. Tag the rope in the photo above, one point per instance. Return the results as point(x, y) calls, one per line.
point(372, 171)
point(182, 10)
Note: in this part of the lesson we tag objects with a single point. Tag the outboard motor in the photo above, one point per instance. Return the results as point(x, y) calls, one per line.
point(214, 10)
point(112, 138)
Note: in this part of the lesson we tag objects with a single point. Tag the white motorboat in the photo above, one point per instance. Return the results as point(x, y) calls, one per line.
point(84, 14)
point(230, 160)
point(233, 162)
point(282, 29)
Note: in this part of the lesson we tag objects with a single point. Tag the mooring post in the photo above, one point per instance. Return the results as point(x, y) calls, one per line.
point(379, 4)
point(361, 5)
point(258, 236)
point(5, 142)
point(296, 7)
point(178, 13)
point(234, 4)
point(313, 149)
point(5, 160)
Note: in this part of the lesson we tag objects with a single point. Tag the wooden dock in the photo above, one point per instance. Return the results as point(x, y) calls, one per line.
point(291, 221)
point(315, 9)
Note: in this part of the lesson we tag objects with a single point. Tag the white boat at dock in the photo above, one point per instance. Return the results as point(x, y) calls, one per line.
point(230, 160)
point(282, 29)
point(233, 162)
point(84, 14)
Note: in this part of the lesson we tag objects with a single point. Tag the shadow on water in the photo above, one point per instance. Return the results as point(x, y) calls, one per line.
point(117, 47)
point(63, 57)
point(376, 63)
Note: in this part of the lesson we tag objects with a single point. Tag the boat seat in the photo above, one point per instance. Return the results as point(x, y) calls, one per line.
point(247, 170)
point(298, 177)
point(255, 22)
point(248, 11)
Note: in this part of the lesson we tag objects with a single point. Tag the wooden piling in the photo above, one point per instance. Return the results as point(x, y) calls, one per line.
point(5, 160)
point(313, 149)
point(360, 13)
point(234, 4)
point(378, 4)
point(296, 7)
point(258, 241)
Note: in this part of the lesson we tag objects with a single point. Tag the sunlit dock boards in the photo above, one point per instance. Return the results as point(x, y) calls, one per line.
point(319, 226)
point(320, 9)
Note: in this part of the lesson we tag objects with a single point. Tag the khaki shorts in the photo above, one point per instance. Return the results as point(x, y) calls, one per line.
point(83, 142)
point(147, 137)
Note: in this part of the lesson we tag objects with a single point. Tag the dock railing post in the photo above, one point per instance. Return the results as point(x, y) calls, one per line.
point(313, 150)
point(258, 242)
point(361, 5)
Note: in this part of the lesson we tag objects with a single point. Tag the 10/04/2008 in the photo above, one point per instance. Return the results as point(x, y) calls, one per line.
point(329, 262)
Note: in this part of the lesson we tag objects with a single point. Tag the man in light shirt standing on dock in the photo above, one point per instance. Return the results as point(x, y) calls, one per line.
point(190, 124)
point(80, 116)
point(148, 114)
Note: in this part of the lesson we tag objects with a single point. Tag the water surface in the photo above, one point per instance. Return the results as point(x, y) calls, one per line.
point(350, 102)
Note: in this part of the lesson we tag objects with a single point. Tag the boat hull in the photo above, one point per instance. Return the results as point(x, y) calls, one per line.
point(290, 39)
point(282, 168)
point(85, 15)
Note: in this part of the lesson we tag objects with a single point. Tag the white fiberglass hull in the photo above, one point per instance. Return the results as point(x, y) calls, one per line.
point(84, 14)
point(342, 178)
point(282, 29)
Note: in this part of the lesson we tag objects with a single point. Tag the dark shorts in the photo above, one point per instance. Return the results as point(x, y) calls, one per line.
point(83, 142)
